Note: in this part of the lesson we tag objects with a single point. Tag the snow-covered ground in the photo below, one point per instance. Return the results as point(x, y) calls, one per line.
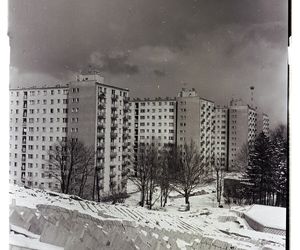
point(203, 222)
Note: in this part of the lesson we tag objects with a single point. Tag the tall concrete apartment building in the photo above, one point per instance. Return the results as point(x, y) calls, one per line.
point(195, 121)
point(38, 118)
point(153, 121)
point(86, 109)
point(242, 128)
point(221, 136)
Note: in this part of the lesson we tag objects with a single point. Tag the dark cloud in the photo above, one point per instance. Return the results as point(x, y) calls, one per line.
point(159, 73)
point(216, 46)
point(116, 63)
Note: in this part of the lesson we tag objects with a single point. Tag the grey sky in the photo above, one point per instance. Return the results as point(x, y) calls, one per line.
point(154, 47)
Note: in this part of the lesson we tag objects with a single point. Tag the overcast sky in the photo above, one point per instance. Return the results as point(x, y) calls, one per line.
point(156, 47)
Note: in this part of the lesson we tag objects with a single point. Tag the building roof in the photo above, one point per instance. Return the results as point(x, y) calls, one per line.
point(268, 216)
point(155, 99)
point(57, 86)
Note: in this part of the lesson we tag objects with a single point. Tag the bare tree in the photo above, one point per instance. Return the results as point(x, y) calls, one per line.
point(146, 172)
point(190, 171)
point(70, 162)
point(165, 171)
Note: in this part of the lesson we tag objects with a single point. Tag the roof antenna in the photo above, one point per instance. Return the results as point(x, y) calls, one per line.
point(252, 96)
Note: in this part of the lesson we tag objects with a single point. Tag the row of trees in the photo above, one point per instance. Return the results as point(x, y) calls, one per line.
point(71, 163)
point(267, 172)
point(165, 169)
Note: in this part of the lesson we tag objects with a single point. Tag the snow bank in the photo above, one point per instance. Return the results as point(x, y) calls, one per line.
point(268, 216)
point(126, 226)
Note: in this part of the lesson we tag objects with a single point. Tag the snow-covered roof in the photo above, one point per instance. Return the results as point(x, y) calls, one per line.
point(268, 216)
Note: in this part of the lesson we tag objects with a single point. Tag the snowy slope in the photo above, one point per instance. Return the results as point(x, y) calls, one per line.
point(184, 229)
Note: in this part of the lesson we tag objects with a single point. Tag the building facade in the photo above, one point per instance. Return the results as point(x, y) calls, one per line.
point(195, 122)
point(154, 121)
point(242, 129)
point(38, 118)
point(263, 124)
point(87, 110)
point(221, 137)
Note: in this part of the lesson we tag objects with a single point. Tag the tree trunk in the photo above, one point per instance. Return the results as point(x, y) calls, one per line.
point(186, 196)
point(166, 199)
point(142, 196)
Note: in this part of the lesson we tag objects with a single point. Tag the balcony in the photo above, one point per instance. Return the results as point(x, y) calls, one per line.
point(126, 144)
point(114, 98)
point(126, 107)
point(113, 145)
point(100, 156)
point(100, 166)
point(126, 136)
point(101, 96)
point(101, 125)
point(126, 117)
point(126, 99)
point(101, 105)
point(124, 172)
point(101, 135)
point(112, 174)
point(113, 135)
point(101, 114)
point(112, 165)
point(114, 106)
point(113, 154)
point(100, 145)
point(114, 116)
point(114, 125)
point(125, 126)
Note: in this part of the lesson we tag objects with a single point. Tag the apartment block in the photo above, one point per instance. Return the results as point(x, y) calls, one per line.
point(99, 115)
point(242, 128)
point(154, 121)
point(221, 137)
point(38, 118)
point(195, 121)
point(263, 124)
point(87, 110)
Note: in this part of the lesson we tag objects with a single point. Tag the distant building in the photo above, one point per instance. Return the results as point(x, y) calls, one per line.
point(242, 129)
point(87, 110)
point(195, 121)
point(221, 137)
point(263, 124)
point(154, 121)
